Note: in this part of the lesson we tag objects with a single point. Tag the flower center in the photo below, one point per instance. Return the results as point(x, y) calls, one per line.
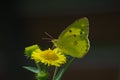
point(49, 55)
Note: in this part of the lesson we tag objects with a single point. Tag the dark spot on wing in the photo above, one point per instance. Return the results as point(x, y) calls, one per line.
point(74, 35)
point(81, 32)
point(70, 30)
point(75, 43)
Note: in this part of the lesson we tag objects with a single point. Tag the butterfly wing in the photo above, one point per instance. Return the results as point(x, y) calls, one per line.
point(73, 40)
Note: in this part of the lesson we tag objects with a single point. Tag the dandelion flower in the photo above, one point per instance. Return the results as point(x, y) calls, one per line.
point(49, 57)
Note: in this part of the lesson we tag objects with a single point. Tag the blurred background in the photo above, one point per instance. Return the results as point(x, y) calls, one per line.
point(23, 23)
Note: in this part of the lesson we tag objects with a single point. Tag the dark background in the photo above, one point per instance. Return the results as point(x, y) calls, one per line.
point(23, 23)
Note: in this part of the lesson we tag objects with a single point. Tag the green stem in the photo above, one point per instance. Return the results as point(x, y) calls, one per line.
point(38, 66)
point(45, 68)
point(55, 72)
point(64, 69)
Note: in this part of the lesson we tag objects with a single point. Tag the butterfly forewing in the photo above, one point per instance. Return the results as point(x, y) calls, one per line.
point(74, 39)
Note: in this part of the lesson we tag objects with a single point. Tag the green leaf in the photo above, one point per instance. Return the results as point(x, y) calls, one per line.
point(32, 69)
point(30, 49)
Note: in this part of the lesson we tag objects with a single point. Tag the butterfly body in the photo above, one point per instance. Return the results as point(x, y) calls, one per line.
point(74, 40)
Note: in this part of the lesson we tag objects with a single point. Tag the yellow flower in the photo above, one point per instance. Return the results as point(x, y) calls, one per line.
point(49, 57)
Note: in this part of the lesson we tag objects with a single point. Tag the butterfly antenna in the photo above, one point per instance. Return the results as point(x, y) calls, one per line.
point(50, 37)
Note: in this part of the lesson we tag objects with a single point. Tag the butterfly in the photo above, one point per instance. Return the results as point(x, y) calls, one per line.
point(73, 40)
